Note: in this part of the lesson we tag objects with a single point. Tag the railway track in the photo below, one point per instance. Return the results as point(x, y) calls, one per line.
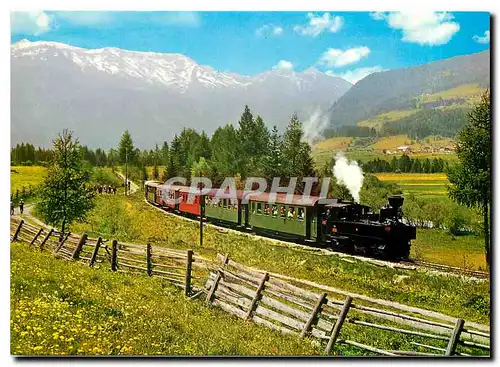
point(448, 269)
point(404, 265)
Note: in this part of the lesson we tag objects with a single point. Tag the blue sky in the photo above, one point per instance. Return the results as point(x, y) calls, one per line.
point(347, 44)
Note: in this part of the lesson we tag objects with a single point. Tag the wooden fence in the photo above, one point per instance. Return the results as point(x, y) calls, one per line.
point(281, 305)
point(179, 267)
point(255, 295)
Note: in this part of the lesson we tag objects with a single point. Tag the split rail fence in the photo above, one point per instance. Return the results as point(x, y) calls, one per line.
point(257, 296)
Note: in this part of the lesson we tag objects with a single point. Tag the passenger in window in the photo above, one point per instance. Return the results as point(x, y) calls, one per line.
point(275, 211)
point(300, 215)
point(291, 213)
point(266, 209)
point(282, 212)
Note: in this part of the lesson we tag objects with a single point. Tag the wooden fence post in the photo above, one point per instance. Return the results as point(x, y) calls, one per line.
point(187, 281)
point(314, 313)
point(95, 252)
point(61, 242)
point(455, 336)
point(17, 230)
point(214, 287)
point(36, 236)
point(338, 324)
point(226, 260)
point(256, 298)
point(78, 249)
point(46, 238)
point(114, 255)
point(149, 263)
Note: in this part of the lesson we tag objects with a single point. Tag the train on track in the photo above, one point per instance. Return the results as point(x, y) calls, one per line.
point(341, 226)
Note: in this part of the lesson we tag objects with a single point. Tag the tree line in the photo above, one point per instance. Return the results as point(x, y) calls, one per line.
point(248, 150)
point(406, 164)
point(26, 155)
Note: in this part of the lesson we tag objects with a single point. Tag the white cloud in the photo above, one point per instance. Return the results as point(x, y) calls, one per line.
point(269, 30)
point(424, 28)
point(485, 39)
point(283, 65)
point(183, 18)
point(30, 22)
point(378, 15)
point(318, 24)
point(277, 31)
point(334, 57)
point(356, 75)
point(85, 18)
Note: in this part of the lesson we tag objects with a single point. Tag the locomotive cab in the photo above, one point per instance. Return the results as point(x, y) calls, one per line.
point(355, 228)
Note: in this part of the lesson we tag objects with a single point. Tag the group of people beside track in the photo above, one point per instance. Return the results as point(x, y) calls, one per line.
point(21, 207)
point(105, 189)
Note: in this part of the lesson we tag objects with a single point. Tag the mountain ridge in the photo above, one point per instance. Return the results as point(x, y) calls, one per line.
point(54, 85)
point(397, 89)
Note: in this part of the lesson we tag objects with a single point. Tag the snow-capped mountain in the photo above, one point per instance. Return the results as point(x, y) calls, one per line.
point(100, 93)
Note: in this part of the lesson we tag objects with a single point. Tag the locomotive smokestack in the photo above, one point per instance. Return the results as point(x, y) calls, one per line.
point(396, 201)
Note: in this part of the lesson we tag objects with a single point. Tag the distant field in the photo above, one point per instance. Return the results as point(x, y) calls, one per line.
point(378, 121)
point(337, 143)
point(391, 142)
point(25, 176)
point(467, 92)
point(324, 150)
point(426, 184)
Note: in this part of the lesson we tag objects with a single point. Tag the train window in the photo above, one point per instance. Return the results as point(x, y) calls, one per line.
point(266, 209)
point(283, 212)
point(300, 215)
point(259, 208)
point(291, 212)
point(235, 205)
point(253, 208)
point(275, 210)
point(225, 203)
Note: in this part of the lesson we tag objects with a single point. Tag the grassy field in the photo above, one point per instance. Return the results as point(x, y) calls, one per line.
point(63, 308)
point(25, 176)
point(378, 121)
point(441, 247)
point(438, 245)
point(422, 184)
point(324, 150)
point(131, 219)
point(66, 308)
point(469, 92)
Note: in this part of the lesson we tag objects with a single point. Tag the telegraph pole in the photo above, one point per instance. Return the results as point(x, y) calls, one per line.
point(126, 171)
point(202, 212)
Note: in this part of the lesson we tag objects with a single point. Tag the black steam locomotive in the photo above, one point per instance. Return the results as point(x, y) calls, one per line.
point(355, 228)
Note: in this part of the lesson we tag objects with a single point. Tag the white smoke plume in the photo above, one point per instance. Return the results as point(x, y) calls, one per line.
point(314, 126)
point(348, 173)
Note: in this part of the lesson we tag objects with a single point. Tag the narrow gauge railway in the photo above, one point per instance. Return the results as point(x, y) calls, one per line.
point(340, 226)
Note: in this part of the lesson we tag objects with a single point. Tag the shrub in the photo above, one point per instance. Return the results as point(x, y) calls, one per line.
point(456, 222)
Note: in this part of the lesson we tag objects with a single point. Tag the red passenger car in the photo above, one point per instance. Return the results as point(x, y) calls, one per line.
point(184, 206)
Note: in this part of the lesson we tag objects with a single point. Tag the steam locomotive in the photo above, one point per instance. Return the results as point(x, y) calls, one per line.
point(356, 229)
point(345, 226)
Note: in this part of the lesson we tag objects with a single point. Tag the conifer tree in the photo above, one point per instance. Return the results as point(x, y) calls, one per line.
point(64, 196)
point(471, 179)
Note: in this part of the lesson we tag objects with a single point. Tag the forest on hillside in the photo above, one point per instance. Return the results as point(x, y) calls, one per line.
point(428, 122)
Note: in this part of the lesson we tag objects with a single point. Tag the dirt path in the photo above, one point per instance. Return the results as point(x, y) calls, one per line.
point(133, 187)
point(28, 216)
